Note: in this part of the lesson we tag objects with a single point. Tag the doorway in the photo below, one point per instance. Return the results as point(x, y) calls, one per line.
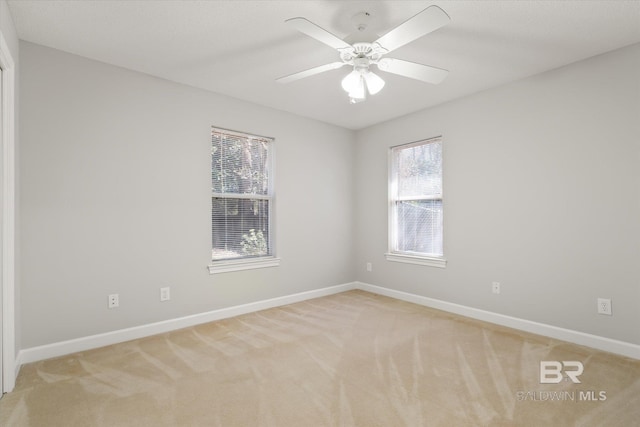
point(7, 219)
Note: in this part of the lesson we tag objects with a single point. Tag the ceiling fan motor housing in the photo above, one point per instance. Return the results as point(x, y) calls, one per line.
point(360, 53)
point(361, 63)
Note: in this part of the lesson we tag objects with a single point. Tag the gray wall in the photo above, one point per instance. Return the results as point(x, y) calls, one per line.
point(541, 193)
point(115, 173)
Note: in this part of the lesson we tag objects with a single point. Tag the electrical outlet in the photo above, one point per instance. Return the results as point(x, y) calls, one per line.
point(604, 306)
point(165, 294)
point(369, 266)
point(114, 301)
point(495, 287)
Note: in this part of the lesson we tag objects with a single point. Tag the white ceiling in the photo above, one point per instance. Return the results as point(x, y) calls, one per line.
point(238, 48)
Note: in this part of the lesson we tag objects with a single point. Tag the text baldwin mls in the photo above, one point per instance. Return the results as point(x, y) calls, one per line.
point(547, 396)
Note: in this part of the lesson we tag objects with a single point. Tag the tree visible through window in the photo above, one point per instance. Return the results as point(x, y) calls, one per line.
point(416, 217)
point(241, 195)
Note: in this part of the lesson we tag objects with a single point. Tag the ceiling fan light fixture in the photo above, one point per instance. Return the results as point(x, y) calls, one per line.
point(359, 82)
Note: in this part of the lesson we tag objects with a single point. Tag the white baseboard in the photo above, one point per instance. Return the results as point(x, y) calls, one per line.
point(576, 337)
point(62, 348)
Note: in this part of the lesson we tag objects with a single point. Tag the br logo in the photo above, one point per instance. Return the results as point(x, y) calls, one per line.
point(551, 371)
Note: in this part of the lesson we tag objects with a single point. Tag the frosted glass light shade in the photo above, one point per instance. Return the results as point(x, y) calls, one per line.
point(354, 84)
point(351, 81)
point(374, 82)
point(358, 91)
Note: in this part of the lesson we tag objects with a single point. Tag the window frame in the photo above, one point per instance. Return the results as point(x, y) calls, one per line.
point(410, 257)
point(252, 261)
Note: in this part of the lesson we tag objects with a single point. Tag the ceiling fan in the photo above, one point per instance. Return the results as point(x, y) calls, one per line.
point(361, 56)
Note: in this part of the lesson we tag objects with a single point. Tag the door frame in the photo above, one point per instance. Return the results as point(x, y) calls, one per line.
point(8, 195)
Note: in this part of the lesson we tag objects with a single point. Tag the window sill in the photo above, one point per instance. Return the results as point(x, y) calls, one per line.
point(420, 260)
point(243, 264)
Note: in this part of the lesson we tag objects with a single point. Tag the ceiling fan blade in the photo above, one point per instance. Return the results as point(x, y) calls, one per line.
point(318, 33)
point(310, 72)
point(423, 23)
point(412, 70)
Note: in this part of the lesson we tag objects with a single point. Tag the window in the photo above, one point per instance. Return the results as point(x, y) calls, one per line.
point(416, 216)
point(241, 201)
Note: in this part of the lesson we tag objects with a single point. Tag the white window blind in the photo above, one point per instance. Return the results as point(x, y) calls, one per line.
point(242, 193)
point(415, 187)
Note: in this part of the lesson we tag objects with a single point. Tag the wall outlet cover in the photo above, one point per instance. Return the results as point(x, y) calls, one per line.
point(604, 306)
point(114, 301)
point(165, 294)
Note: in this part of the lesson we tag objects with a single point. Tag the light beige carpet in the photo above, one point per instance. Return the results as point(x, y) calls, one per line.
point(352, 359)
